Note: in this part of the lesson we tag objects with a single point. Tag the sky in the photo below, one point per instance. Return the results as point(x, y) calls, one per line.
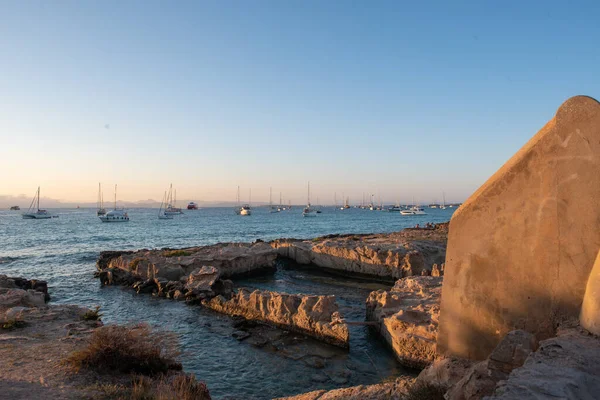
point(396, 99)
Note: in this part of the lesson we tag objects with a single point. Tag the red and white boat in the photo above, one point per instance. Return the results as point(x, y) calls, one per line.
point(192, 206)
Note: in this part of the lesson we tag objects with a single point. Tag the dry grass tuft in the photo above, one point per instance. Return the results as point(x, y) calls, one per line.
point(11, 324)
point(128, 349)
point(180, 387)
point(424, 391)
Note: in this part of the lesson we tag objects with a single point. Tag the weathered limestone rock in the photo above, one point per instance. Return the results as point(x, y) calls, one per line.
point(25, 284)
point(521, 248)
point(202, 279)
point(315, 316)
point(390, 256)
point(445, 372)
point(564, 367)
point(481, 379)
point(590, 309)
point(407, 318)
point(230, 259)
point(395, 390)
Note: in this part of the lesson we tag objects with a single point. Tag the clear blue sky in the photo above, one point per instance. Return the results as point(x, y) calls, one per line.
point(401, 98)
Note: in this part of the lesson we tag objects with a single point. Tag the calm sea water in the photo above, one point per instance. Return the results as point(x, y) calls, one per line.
point(63, 251)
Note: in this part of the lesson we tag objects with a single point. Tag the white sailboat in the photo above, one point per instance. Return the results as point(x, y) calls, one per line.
point(171, 202)
point(272, 208)
point(414, 210)
point(443, 207)
point(245, 209)
point(161, 211)
point(308, 210)
point(101, 209)
point(115, 215)
point(34, 211)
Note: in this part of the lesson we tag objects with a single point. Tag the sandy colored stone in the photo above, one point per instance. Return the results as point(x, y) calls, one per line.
point(590, 309)
point(564, 367)
point(394, 390)
point(407, 318)
point(391, 255)
point(521, 248)
point(312, 315)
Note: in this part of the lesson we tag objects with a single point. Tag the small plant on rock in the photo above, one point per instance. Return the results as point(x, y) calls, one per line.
point(14, 323)
point(177, 253)
point(92, 315)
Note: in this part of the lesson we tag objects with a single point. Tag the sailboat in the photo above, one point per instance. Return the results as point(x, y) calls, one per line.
point(245, 209)
point(308, 210)
point(116, 215)
point(171, 203)
point(272, 208)
point(161, 211)
point(34, 211)
point(101, 209)
point(443, 207)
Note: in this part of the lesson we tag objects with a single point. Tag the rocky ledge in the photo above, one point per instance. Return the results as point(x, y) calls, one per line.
point(407, 317)
point(391, 256)
point(23, 292)
point(192, 274)
point(315, 316)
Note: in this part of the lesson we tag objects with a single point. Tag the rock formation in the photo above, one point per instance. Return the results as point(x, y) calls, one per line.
point(19, 292)
point(564, 367)
point(407, 317)
point(192, 274)
point(315, 316)
point(520, 249)
point(389, 256)
point(395, 390)
point(590, 309)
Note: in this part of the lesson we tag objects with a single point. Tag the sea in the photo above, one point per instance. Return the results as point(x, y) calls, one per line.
point(63, 251)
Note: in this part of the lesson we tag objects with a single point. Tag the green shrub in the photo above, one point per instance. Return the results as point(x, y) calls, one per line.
point(92, 315)
point(177, 253)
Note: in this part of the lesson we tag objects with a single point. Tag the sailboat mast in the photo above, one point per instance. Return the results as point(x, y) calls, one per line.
point(115, 196)
point(271, 197)
point(38, 199)
point(308, 197)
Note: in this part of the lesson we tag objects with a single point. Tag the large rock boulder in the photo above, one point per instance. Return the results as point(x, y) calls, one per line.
point(315, 316)
point(407, 317)
point(564, 367)
point(520, 249)
point(590, 309)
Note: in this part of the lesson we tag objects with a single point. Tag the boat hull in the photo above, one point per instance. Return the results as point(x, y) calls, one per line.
point(36, 216)
point(105, 218)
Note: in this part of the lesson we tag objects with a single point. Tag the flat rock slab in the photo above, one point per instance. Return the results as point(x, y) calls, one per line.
point(390, 256)
point(407, 318)
point(315, 316)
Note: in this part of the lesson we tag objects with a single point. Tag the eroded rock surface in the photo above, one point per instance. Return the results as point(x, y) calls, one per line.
point(389, 256)
point(20, 292)
point(192, 274)
point(315, 316)
point(564, 367)
point(407, 317)
point(521, 248)
point(395, 390)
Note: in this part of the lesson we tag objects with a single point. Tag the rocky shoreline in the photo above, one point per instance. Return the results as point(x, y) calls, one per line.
point(202, 275)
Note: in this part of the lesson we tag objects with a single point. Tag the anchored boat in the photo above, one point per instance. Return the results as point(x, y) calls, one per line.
point(115, 215)
point(34, 211)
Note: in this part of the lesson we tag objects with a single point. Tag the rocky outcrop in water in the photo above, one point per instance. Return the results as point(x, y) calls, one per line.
point(407, 318)
point(315, 316)
point(389, 256)
point(521, 248)
point(192, 274)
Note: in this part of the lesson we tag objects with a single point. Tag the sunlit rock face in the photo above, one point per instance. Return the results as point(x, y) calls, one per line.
point(521, 248)
point(590, 310)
